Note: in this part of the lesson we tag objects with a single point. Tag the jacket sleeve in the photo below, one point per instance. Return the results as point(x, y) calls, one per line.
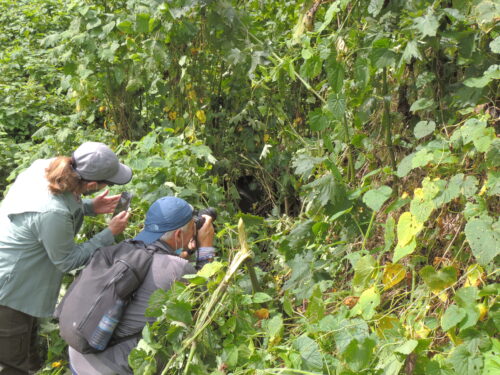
point(56, 233)
point(88, 207)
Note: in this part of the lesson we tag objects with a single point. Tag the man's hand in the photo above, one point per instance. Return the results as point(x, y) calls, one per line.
point(118, 224)
point(102, 204)
point(206, 233)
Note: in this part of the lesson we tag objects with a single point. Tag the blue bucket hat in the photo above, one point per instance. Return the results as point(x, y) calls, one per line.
point(164, 215)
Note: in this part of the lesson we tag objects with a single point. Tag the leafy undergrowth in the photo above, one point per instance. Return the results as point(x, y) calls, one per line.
point(418, 297)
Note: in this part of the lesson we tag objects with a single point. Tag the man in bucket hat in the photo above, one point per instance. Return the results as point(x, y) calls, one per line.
point(39, 218)
point(170, 226)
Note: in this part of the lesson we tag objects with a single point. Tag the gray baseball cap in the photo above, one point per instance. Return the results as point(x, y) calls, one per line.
point(95, 161)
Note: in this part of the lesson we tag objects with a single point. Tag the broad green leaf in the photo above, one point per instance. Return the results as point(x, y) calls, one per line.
point(382, 57)
point(393, 275)
point(210, 269)
point(424, 128)
point(466, 298)
point(483, 236)
point(367, 303)
point(309, 352)
point(421, 208)
point(333, 9)
point(375, 198)
point(493, 183)
point(365, 270)
point(336, 105)
point(438, 280)
point(477, 82)
point(142, 23)
point(408, 228)
point(316, 307)
point(141, 362)
point(402, 251)
point(486, 11)
point(405, 165)
point(411, 52)
point(493, 154)
point(422, 158)
point(307, 53)
point(348, 330)
point(260, 297)
point(465, 360)
point(452, 316)
point(495, 45)
point(483, 138)
point(408, 347)
point(335, 72)
point(422, 104)
point(275, 328)
point(318, 120)
point(427, 25)
point(492, 359)
point(358, 354)
point(375, 7)
point(179, 311)
point(126, 27)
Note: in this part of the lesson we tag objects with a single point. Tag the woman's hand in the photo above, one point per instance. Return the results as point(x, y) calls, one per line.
point(118, 224)
point(102, 204)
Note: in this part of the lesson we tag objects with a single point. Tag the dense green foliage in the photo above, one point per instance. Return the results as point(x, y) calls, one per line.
point(360, 138)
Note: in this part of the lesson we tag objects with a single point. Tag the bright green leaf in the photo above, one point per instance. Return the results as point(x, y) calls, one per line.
point(403, 250)
point(375, 198)
point(424, 128)
point(367, 303)
point(483, 236)
point(452, 316)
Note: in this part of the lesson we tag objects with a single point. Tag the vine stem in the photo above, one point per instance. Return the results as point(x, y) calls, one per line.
point(368, 230)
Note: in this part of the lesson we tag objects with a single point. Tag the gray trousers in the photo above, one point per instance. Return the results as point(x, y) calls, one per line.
point(19, 350)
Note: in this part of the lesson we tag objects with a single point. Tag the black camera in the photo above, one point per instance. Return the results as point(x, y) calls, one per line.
point(199, 220)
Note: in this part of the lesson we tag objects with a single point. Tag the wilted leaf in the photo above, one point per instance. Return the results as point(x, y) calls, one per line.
point(262, 313)
point(393, 274)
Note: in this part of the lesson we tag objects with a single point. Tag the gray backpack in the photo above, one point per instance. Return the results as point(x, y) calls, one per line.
point(113, 273)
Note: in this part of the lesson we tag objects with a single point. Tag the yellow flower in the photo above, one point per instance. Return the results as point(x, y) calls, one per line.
point(172, 115)
point(56, 364)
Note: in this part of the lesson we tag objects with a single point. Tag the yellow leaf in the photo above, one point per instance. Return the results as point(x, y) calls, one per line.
point(266, 137)
point(393, 274)
point(419, 193)
point(475, 275)
point(408, 228)
point(200, 115)
point(386, 323)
